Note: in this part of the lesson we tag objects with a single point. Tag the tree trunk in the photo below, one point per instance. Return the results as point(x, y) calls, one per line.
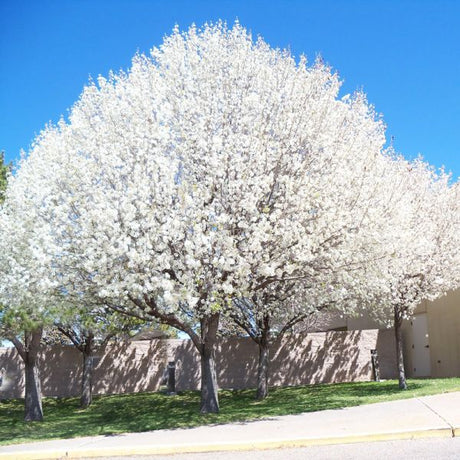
point(209, 397)
point(33, 411)
point(33, 395)
point(263, 341)
point(87, 374)
point(262, 371)
point(399, 349)
point(86, 382)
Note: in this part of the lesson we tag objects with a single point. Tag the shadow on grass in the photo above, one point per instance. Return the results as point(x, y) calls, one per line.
point(110, 415)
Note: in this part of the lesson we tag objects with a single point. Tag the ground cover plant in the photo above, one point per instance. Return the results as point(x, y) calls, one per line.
point(153, 411)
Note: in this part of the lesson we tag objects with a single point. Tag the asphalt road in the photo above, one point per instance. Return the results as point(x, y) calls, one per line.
point(420, 449)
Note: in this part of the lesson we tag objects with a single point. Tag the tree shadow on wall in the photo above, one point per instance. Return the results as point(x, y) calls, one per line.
point(237, 359)
point(139, 366)
point(330, 357)
point(130, 367)
point(11, 374)
point(60, 370)
point(188, 365)
point(386, 349)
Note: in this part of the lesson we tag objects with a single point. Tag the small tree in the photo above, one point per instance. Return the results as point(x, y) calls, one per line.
point(425, 247)
point(331, 261)
point(429, 258)
point(281, 308)
point(89, 330)
point(22, 316)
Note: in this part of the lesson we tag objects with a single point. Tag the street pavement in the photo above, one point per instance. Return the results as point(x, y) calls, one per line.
point(436, 416)
point(408, 449)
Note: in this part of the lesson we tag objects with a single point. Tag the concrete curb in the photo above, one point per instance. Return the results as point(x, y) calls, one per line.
point(170, 449)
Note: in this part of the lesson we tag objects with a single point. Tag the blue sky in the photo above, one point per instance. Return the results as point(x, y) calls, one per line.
point(404, 54)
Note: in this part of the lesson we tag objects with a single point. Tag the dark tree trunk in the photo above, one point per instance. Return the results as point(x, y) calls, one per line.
point(33, 411)
point(87, 381)
point(262, 370)
point(263, 341)
point(87, 373)
point(33, 395)
point(209, 398)
point(398, 319)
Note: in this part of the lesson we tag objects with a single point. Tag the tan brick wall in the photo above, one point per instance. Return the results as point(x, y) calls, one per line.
point(129, 367)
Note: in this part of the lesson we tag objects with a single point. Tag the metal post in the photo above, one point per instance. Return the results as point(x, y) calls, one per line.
point(375, 365)
point(171, 378)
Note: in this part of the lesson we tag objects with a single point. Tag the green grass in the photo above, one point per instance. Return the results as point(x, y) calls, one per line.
point(153, 411)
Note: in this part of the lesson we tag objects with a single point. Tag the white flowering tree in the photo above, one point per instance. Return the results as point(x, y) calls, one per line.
point(23, 281)
point(216, 169)
point(324, 242)
point(284, 306)
point(426, 250)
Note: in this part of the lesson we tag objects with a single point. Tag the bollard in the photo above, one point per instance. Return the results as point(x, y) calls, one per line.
point(171, 378)
point(375, 365)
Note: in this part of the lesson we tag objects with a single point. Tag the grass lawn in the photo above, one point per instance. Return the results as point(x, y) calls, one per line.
point(153, 411)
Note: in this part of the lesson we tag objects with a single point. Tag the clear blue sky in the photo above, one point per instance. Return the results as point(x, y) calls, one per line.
point(404, 54)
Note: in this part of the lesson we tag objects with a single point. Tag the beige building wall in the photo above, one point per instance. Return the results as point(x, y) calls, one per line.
point(129, 367)
point(443, 336)
point(328, 321)
point(363, 322)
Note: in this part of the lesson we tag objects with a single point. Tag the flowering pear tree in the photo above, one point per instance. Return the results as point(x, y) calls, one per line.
point(330, 261)
point(268, 315)
point(216, 169)
point(426, 256)
point(23, 281)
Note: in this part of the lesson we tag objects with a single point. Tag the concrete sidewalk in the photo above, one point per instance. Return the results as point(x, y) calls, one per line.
point(429, 416)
